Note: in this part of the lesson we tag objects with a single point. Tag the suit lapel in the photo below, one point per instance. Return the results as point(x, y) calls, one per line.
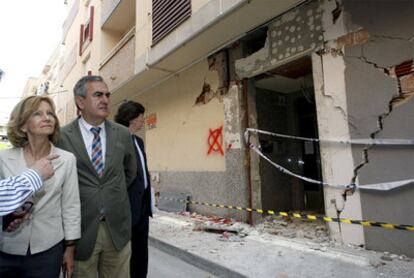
point(111, 141)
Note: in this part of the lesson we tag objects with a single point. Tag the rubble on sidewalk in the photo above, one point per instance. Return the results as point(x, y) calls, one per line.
point(290, 227)
point(262, 250)
point(315, 231)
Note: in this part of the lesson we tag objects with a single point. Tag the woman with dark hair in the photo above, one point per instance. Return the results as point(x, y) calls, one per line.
point(131, 115)
point(44, 242)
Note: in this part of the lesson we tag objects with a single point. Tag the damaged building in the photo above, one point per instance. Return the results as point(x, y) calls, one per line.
point(208, 70)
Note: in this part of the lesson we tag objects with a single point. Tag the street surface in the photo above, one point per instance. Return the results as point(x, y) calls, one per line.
point(162, 265)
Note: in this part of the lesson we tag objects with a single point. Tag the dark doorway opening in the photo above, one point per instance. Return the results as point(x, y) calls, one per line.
point(285, 104)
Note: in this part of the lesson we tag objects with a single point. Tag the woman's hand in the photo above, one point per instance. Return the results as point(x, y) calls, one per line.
point(68, 259)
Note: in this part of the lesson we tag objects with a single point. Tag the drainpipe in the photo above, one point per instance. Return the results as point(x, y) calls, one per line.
point(245, 82)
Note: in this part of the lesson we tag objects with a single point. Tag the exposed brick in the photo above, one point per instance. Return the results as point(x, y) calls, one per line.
point(358, 37)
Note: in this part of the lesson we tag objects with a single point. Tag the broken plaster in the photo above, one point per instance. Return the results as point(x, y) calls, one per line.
point(405, 84)
point(232, 114)
point(405, 93)
point(289, 37)
point(218, 63)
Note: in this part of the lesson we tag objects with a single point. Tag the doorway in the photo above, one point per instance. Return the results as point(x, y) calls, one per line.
point(285, 104)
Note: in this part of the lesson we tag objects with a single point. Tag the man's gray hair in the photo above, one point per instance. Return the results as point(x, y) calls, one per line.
point(80, 87)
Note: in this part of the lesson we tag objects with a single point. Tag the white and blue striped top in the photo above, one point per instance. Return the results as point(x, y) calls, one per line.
point(15, 190)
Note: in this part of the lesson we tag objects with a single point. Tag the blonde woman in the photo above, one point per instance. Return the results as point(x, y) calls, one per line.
point(44, 242)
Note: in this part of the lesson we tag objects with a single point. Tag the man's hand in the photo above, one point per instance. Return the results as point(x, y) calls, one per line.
point(68, 261)
point(44, 166)
point(20, 218)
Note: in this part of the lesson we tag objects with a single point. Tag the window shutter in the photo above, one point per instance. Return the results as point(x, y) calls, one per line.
point(91, 23)
point(81, 39)
point(167, 15)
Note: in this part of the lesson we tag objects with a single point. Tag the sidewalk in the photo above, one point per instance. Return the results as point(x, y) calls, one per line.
point(263, 255)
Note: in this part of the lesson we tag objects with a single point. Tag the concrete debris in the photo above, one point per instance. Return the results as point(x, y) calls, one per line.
point(256, 253)
point(386, 258)
point(376, 263)
point(219, 228)
point(294, 228)
point(404, 258)
point(207, 219)
point(230, 237)
point(314, 233)
point(322, 248)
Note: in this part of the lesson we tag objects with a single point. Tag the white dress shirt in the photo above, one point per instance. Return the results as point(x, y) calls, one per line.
point(87, 136)
point(141, 158)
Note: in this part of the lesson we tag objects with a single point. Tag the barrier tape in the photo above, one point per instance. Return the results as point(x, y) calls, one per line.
point(370, 141)
point(302, 216)
point(376, 186)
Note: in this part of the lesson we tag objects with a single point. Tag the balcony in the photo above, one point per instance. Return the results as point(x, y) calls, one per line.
point(118, 65)
point(117, 15)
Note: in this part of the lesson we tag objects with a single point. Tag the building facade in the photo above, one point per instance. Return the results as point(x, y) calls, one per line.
point(207, 70)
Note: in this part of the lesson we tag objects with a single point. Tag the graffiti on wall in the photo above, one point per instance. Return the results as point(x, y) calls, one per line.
point(215, 141)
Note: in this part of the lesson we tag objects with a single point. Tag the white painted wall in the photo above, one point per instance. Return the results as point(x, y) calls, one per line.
point(179, 141)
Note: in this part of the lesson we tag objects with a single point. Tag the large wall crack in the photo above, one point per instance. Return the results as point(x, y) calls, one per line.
point(404, 74)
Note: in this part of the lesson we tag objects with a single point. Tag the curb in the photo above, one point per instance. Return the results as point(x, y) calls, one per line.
point(204, 264)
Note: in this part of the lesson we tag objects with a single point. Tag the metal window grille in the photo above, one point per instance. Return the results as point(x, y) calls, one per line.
point(167, 15)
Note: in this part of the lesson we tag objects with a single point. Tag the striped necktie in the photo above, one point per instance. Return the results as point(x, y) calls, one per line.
point(97, 151)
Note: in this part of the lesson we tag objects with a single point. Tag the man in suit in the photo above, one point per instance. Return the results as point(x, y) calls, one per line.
point(106, 164)
point(131, 115)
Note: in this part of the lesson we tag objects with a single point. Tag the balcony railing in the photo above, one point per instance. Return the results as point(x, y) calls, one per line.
point(118, 65)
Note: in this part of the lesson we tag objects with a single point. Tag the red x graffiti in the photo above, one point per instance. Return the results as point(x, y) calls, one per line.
point(215, 141)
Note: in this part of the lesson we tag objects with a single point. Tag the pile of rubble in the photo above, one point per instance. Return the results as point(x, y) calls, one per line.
point(230, 230)
point(290, 227)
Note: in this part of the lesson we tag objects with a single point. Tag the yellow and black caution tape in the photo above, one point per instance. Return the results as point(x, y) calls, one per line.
point(365, 223)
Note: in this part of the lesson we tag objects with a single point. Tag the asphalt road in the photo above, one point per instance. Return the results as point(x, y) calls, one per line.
point(164, 265)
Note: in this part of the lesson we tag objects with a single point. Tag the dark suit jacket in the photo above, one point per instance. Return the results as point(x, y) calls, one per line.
point(110, 190)
point(139, 196)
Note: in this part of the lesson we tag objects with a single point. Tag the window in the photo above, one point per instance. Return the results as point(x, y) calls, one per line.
point(86, 32)
point(167, 15)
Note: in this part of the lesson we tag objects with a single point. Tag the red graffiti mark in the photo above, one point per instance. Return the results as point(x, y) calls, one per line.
point(229, 146)
point(215, 141)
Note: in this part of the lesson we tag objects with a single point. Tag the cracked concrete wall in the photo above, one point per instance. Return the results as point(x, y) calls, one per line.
point(372, 101)
point(224, 187)
point(359, 94)
point(177, 148)
point(310, 28)
point(289, 36)
point(337, 160)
